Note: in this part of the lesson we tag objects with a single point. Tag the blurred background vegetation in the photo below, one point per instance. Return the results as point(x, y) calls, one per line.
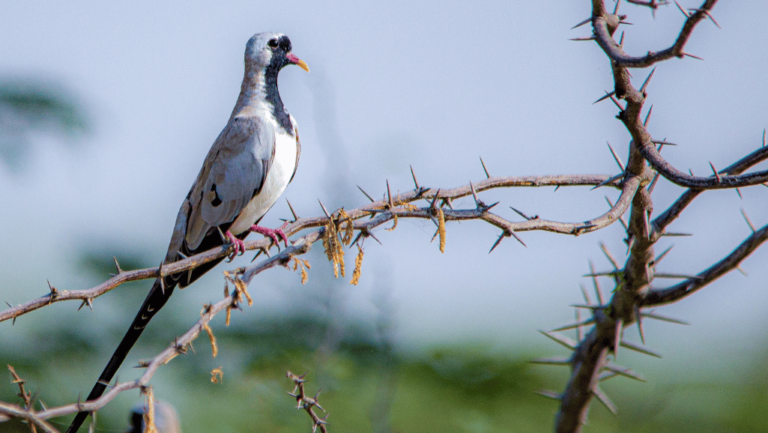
point(368, 384)
point(29, 109)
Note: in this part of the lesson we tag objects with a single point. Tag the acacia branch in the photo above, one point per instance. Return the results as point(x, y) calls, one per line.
point(242, 276)
point(648, 149)
point(381, 211)
point(302, 245)
point(691, 285)
point(13, 411)
point(590, 355)
point(674, 211)
point(179, 346)
point(57, 295)
point(631, 117)
point(605, 24)
point(307, 403)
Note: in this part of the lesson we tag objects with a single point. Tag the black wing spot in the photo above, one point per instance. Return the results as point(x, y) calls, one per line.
point(216, 201)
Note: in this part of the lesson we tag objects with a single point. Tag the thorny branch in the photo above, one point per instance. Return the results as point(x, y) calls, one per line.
point(307, 403)
point(384, 214)
point(716, 181)
point(589, 361)
point(178, 347)
point(25, 412)
point(674, 211)
point(690, 285)
point(380, 212)
point(604, 24)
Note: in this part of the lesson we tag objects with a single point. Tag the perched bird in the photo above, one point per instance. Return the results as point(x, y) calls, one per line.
point(247, 169)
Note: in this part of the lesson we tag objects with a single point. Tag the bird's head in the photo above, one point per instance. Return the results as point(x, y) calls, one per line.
point(271, 50)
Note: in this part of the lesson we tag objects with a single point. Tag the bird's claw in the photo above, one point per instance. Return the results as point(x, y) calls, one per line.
point(237, 243)
point(274, 234)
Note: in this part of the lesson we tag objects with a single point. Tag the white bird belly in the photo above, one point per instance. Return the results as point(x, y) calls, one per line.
point(277, 180)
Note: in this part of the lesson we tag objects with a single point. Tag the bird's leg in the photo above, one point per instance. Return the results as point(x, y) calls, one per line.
point(239, 245)
point(274, 234)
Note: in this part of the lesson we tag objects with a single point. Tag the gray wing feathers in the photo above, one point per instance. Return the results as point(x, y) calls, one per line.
point(233, 171)
point(179, 229)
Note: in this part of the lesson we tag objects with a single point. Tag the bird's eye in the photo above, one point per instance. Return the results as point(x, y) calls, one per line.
point(272, 43)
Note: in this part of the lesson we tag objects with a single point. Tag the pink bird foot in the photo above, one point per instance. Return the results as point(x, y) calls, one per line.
point(239, 245)
point(274, 234)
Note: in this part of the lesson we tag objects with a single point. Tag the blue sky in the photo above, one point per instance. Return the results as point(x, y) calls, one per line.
point(434, 85)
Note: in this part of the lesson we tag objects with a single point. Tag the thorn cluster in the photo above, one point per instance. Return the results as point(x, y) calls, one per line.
point(26, 396)
point(307, 403)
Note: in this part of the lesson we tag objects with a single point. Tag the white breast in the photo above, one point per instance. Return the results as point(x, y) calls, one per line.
point(275, 183)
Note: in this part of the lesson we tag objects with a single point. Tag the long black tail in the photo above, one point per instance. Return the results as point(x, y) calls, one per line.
point(155, 300)
point(152, 304)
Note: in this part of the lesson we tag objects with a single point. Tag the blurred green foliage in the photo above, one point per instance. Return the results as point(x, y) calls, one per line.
point(27, 107)
point(368, 388)
point(368, 385)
